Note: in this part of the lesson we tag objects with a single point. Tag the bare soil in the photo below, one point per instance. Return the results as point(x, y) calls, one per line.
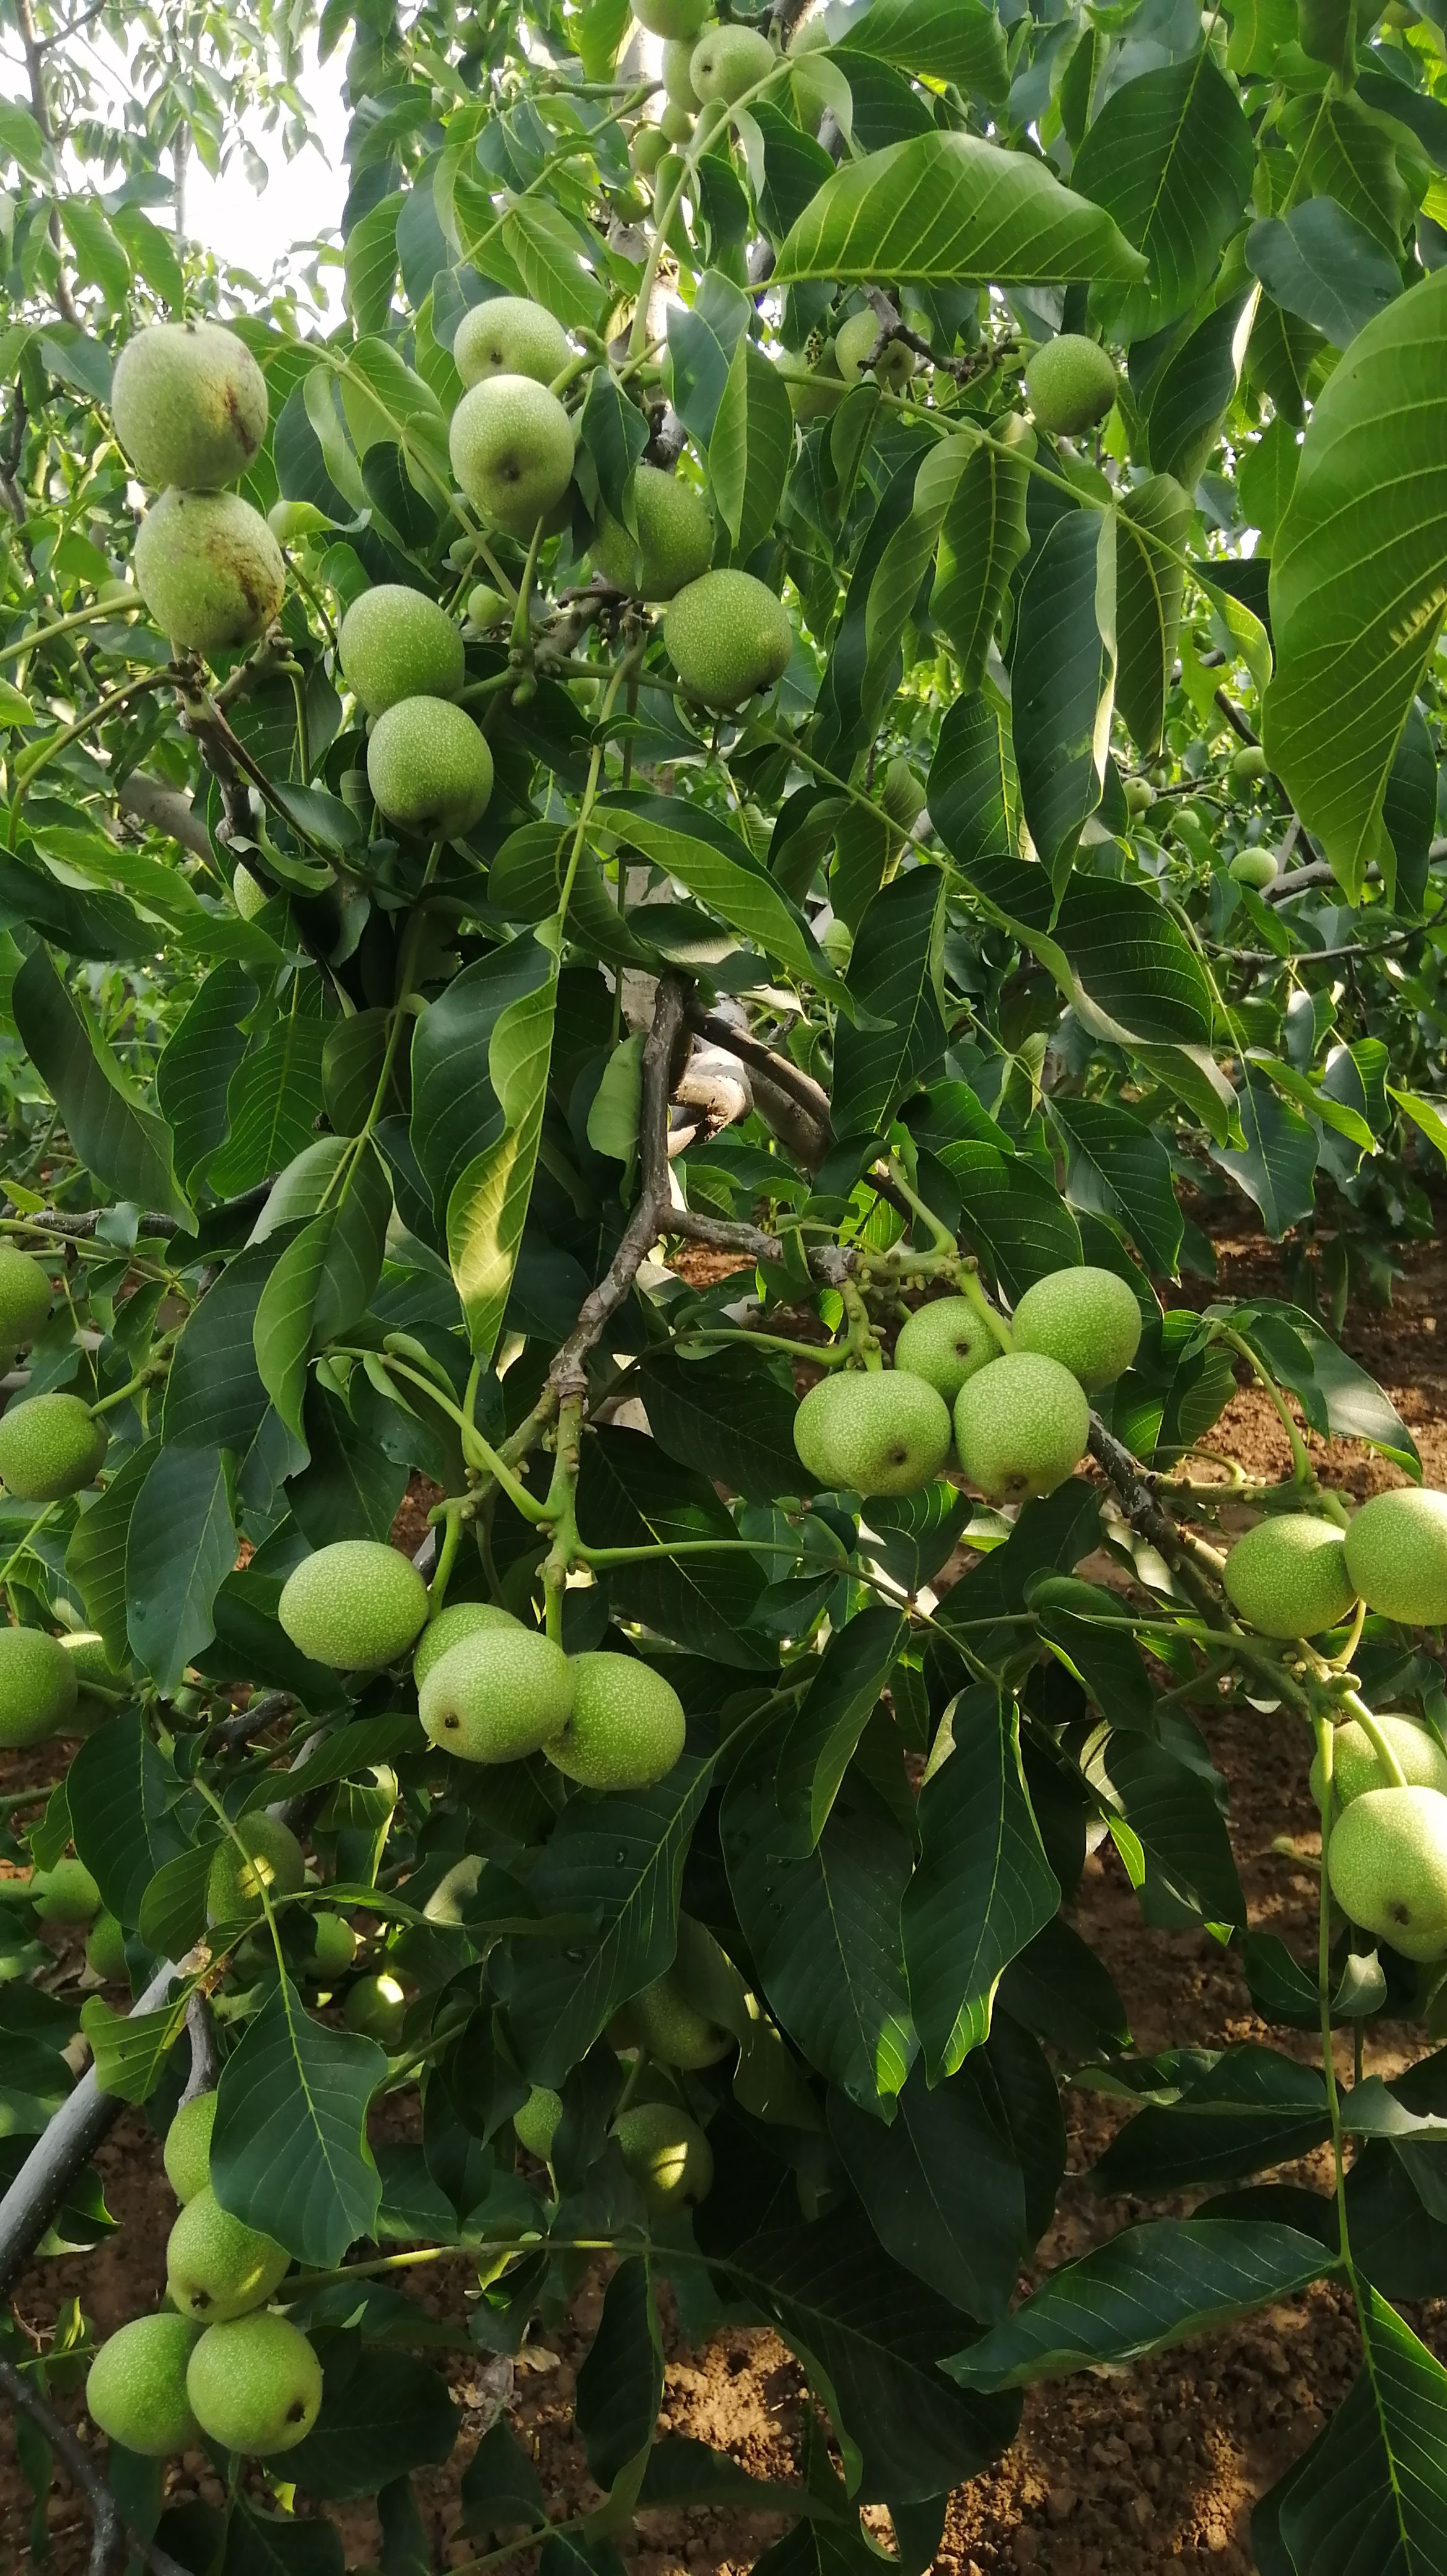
point(1121, 2473)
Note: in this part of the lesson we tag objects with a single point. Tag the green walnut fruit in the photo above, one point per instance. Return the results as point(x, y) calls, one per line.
point(854, 346)
point(1021, 1426)
point(647, 149)
point(666, 2153)
point(508, 336)
point(1087, 1319)
point(255, 2386)
point(396, 643)
point(729, 60)
point(355, 1605)
point(24, 1298)
point(209, 570)
point(1396, 1550)
point(37, 1687)
point(674, 543)
point(248, 893)
point(726, 636)
point(1071, 384)
point(460, 1619)
point(945, 1343)
point(1288, 1577)
point(429, 768)
point(626, 1727)
point(1254, 868)
point(135, 2390)
point(259, 1853)
point(1356, 1765)
point(673, 2031)
point(333, 1948)
point(1140, 796)
point(675, 125)
point(105, 1950)
point(50, 1446)
point(677, 21)
point(377, 2007)
point(486, 606)
point(216, 2266)
point(497, 1696)
point(1387, 1863)
point(186, 2154)
point(189, 405)
point(65, 1894)
point(87, 1651)
point(512, 447)
point(536, 2125)
point(1248, 764)
point(678, 78)
point(873, 1431)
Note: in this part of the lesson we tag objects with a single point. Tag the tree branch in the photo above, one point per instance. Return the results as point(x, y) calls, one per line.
point(165, 809)
point(568, 1375)
point(1147, 1514)
point(63, 2149)
point(107, 2529)
point(83, 1225)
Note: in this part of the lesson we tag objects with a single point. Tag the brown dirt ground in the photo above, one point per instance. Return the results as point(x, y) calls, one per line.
point(1120, 2473)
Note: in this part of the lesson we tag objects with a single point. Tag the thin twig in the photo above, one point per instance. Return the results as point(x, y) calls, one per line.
point(107, 2528)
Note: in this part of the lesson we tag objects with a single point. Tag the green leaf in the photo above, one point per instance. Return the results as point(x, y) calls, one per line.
point(124, 1144)
point(1011, 1213)
point(820, 1738)
point(1120, 960)
point(371, 263)
point(1062, 676)
point(983, 1887)
point(950, 40)
point(1278, 1163)
point(274, 1098)
point(752, 445)
point(824, 1929)
point(215, 1397)
point(1190, 394)
point(1171, 157)
point(289, 2151)
point(942, 2185)
point(1321, 264)
point(948, 207)
point(180, 1548)
point(488, 1205)
point(876, 2337)
point(382, 2415)
point(1359, 581)
point(130, 2050)
point(198, 1061)
point(614, 433)
point(1119, 1168)
point(1145, 2289)
point(631, 1495)
point(720, 868)
point(620, 2378)
point(974, 793)
point(1246, 2109)
point(895, 979)
point(982, 538)
point(1150, 579)
point(95, 1560)
point(121, 1809)
point(1372, 2489)
point(617, 1863)
point(1176, 1827)
point(729, 1409)
point(100, 257)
